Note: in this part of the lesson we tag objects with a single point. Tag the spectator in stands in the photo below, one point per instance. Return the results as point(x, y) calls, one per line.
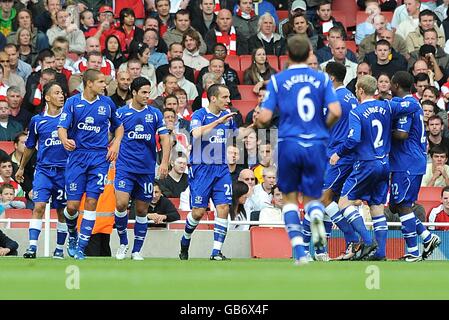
point(415, 38)
point(229, 74)
point(323, 21)
point(177, 179)
point(62, 43)
point(437, 172)
point(386, 61)
point(312, 61)
point(19, 149)
point(153, 23)
point(7, 198)
point(39, 40)
point(44, 21)
point(245, 20)
point(16, 156)
point(421, 81)
point(432, 94)
point(435, 136)
point(261, 195)
point(25, 49)
point(18, 67)
point(8, 247)
point(339, 51)
point(422, 66)
point(183, 110)
point(182, 25)
point(429, 109)
point(191, 54)
point(205, 20)
point(9, 78)
point(385, 5)
point(127, 27)
point(430, 66)
point(8, 14)
point(201, 101)
point(176, 68)
point(273, 212)
point(107, 67)
point(63, 27)
point(383, 87)
point(217, 66)
point(176, 50)
point(375, 20)
point(113, 51)
point(17, 113)
point(105, 28)
point(170, 83)
point(260, 70)
point(163, 16)
point(247, 176)
point(297, 7)
point(251, 116)
point(182, 119)
point(299, 24)
point(430, 37)
point(122, 95)
point(411, 22)
point(175, 126)
point(267, 38)
point(33, 101)
point(324, 53)
point(363, 69)
point(161, 209)
point(87, 20)
point(368, 44)
point(265, 160)
point(250, 149)
point(240, 193)
point(9, 128)
point(60, 60)
point(6, 171)
point(233, 161)
point(151, 38)
point(141, 53)
point(440, 213)
point(226, 34)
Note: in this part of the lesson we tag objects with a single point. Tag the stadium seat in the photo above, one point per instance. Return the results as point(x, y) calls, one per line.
point(430, 193)
point(282, 61)
point(245, 61)
point(349, 8)
point(26, 214)
point(240, 75)
point(244, 106)
point(340, 16)
point(270, 243)
point(7, 146)
point(234, 62)
point(175, 202)
point(246, 92)
point(273, 61)
point(350, 45)
point(208, 56)
point(282, 14)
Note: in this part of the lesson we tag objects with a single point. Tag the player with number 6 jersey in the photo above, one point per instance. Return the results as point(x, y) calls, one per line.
point(136, 162)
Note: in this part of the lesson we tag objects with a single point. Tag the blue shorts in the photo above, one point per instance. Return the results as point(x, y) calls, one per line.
point(404, 188)
point(368, 181)
point(209, 181)
point(86, 172)
point(336, 176)
point(139, 186)
point(301, 167)
point(50, 182)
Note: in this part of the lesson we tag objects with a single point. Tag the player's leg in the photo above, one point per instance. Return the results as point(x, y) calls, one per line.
point(123, 187)
point(41, 195)
point(200, 185)
point(380, 232)
point(293, 227)
point(61, 234)
point(401, 189)
point(222, 198)
point(59, 202)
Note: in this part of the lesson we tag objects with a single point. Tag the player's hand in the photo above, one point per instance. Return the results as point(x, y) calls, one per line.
point(334, 159)
point(4, 251)
point(113, 151)
point(69, 144)
point(226, 117)
point(19, 175)
point(163, 171)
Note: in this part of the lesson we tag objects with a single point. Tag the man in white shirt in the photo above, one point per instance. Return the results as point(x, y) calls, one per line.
point(411, 21)
point(338, 50)
point(261, 197)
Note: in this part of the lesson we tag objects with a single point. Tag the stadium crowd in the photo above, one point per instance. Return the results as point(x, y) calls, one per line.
point(183, 47)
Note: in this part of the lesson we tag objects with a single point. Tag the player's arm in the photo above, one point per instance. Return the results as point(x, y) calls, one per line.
point(268, 105)
point(198, 131)
point(23, 162)
point(334, 113)
point(353, 139)
point(114, 147)
point(402, 108)
point(65, 121)
point(166, 148)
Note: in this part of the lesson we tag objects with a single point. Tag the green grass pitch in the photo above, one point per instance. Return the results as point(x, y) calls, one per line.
point(238, 279)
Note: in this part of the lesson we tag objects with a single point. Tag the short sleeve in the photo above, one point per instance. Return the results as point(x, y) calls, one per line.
point(32, 134)
point(270, 100)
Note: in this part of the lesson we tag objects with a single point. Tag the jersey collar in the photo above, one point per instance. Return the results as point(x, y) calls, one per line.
point(208, 111)
point(90, 102)
point(298, 66)
point(47, 115)
point(131, 107)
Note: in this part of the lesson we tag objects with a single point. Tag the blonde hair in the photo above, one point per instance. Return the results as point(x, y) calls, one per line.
point(368, 84)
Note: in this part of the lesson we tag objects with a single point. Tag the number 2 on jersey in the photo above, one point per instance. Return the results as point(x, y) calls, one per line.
point(378, 142)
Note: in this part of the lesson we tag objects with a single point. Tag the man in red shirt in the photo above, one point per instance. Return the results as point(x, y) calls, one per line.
point(440, 213)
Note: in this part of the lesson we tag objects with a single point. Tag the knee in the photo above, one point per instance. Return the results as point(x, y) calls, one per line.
point(90, 204)
point(39, 209)
point(121, 206)
point(72, 208)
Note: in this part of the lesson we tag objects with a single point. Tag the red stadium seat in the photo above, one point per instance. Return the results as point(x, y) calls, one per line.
point(175, 202)
point(208, 56)
point(340, 16)
point(246, 92)
point(282, 14)
point(273, 61)
point(271, 243)
point(7, 146)
point(244, 106)
point(234, 62)
point(350, 45)
point(240, 75)
point(245, 61)
point(430, 193)
point(26, 214)
point(350, 9)
point(282, 61)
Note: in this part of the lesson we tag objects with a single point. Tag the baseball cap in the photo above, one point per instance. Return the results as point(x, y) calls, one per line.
point(299, 4)
point(104, 9)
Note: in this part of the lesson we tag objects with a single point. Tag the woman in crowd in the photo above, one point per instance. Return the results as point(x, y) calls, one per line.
point(260, 70)
point(39, 40)
point(113, 51)
point(237, 211)
point(383, 87)
point(26, 53)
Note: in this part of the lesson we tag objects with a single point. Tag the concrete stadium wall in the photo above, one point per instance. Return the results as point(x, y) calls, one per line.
point(158, 243)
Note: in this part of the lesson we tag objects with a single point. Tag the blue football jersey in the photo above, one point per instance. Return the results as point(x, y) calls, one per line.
point(138, 147)
point(88, 123)
point(340, 130)
point(370, 128)
point(302, 95)
point(410, 154)
point(211, 147)
point(43, 135)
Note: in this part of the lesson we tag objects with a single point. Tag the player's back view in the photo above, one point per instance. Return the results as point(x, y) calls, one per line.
point(302, 95)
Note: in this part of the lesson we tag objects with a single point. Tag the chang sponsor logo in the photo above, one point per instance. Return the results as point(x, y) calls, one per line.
point(219, 137)
point(53, 141)
point(87, 125)
point(137, 133)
